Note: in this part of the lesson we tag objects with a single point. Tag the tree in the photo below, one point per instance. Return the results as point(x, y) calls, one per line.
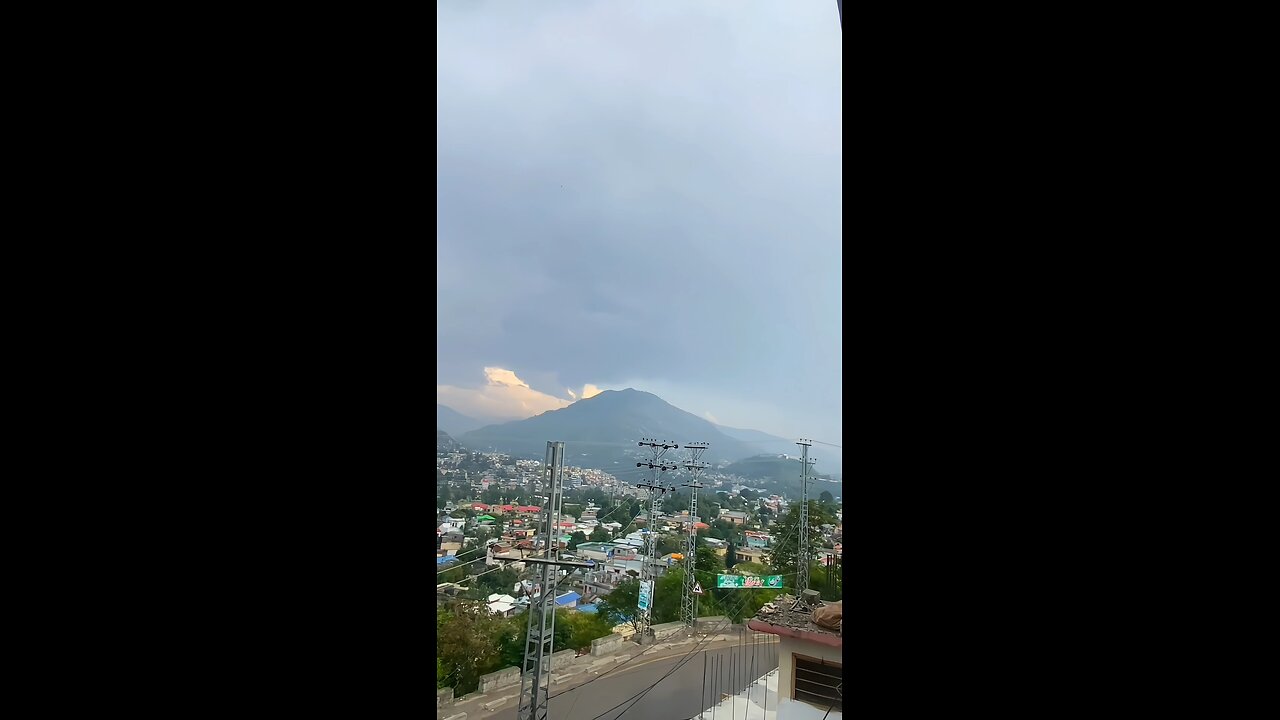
point(749, 494)
point(576, 538)
point(782, 557)
point(667, 544)
point(619, 606)
point(583, 628)
point(499, 581)
point(599, 534)
point(730, 557)
point(676, 502)
point(466, 644)
point(826, 498)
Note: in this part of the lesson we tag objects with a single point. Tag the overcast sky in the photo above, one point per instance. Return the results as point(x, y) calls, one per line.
point(641, 194)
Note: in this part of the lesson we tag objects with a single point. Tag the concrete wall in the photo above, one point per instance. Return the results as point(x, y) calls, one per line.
point(798, 709)
point(712, 621)
point(499, 678)
point(444, 697)
point(606, 644)
point(666, 629)
point(561, 659)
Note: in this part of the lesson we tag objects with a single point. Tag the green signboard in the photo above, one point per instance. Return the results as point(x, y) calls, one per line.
point(749, 581)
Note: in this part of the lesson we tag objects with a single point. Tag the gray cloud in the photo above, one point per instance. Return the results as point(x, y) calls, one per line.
point(648, 193)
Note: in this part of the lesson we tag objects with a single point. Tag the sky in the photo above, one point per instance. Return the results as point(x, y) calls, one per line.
point(644, 195)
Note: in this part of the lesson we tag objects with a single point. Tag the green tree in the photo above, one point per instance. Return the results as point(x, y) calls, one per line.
point(749, 495)
point(782, 556)
point(826, 498)
point(576, 538)
point(619, 606)
point(677, 502)
point(499, 581)
point(466, 644)
point(730, 557)
point(599, 534)
point(668, 544)
point(583, 628)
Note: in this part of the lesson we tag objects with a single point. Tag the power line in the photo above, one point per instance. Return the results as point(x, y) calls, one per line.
point(728, 619)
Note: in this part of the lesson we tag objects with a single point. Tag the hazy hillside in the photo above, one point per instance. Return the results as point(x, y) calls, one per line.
point(444, 443)
point(781, 474)
point(602, 431)
point(765, 444)
point(454, 422)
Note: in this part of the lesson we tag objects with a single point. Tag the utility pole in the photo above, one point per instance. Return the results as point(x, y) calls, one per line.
point(647, 566)
point(535, 678)
point(689, 599)
point(802, 560)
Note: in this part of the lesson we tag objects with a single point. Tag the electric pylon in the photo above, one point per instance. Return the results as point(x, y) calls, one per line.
point(689, 599)
point(802, 559)
point(535, 678)
point(647, 567)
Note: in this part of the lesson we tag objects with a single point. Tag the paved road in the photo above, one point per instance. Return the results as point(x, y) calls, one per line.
point(681, 695)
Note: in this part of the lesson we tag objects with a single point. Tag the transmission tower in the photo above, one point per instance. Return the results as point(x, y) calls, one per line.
point(688, 598)
point(535, 678)
point(648, 569)
point(802, 559)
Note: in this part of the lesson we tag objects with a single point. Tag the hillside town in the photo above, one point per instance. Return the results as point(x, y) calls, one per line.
point(489, 514)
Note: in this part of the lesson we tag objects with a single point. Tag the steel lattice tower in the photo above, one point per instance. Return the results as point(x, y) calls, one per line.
point(689, 600)
point(647, 573)
point(535, 677)
point(802, 558)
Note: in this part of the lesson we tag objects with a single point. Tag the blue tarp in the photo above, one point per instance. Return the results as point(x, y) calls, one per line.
point(567, 598)
point(446, 559)
point(589, 609)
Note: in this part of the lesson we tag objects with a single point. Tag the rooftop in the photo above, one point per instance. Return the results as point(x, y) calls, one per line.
point(777, 618)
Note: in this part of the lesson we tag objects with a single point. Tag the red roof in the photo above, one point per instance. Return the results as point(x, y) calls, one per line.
point(479, 506)
point(508, 508)
point(700, 526)
point(529, 508)
point(566, 524)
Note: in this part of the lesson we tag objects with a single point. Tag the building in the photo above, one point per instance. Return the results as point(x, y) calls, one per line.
point(810, 674)
point(747, 554)
point(593, 551)
point(568, 600)
point(734, 516)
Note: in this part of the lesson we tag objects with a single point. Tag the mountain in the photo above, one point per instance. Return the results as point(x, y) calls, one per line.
point(782, 475)
point(454, 422)
point(445, 444)
point(765, 444)
point(602, 431)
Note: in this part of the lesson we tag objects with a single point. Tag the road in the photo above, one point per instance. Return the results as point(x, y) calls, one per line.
point(683, 694)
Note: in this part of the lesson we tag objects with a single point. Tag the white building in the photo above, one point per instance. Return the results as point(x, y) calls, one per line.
point(810, 676)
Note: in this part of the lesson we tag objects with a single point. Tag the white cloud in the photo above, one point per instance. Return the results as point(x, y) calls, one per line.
point(504, 396)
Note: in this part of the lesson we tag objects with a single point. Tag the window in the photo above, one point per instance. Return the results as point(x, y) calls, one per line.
point(818, 682)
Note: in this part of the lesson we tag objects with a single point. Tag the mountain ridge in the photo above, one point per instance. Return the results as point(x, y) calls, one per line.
point(602, 431)
point(454, 422)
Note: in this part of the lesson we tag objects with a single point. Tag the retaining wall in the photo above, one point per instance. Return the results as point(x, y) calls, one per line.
point(444, 697)
point(712, 621)
point(499, 679)
point(560, 659)
point(606, 644)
